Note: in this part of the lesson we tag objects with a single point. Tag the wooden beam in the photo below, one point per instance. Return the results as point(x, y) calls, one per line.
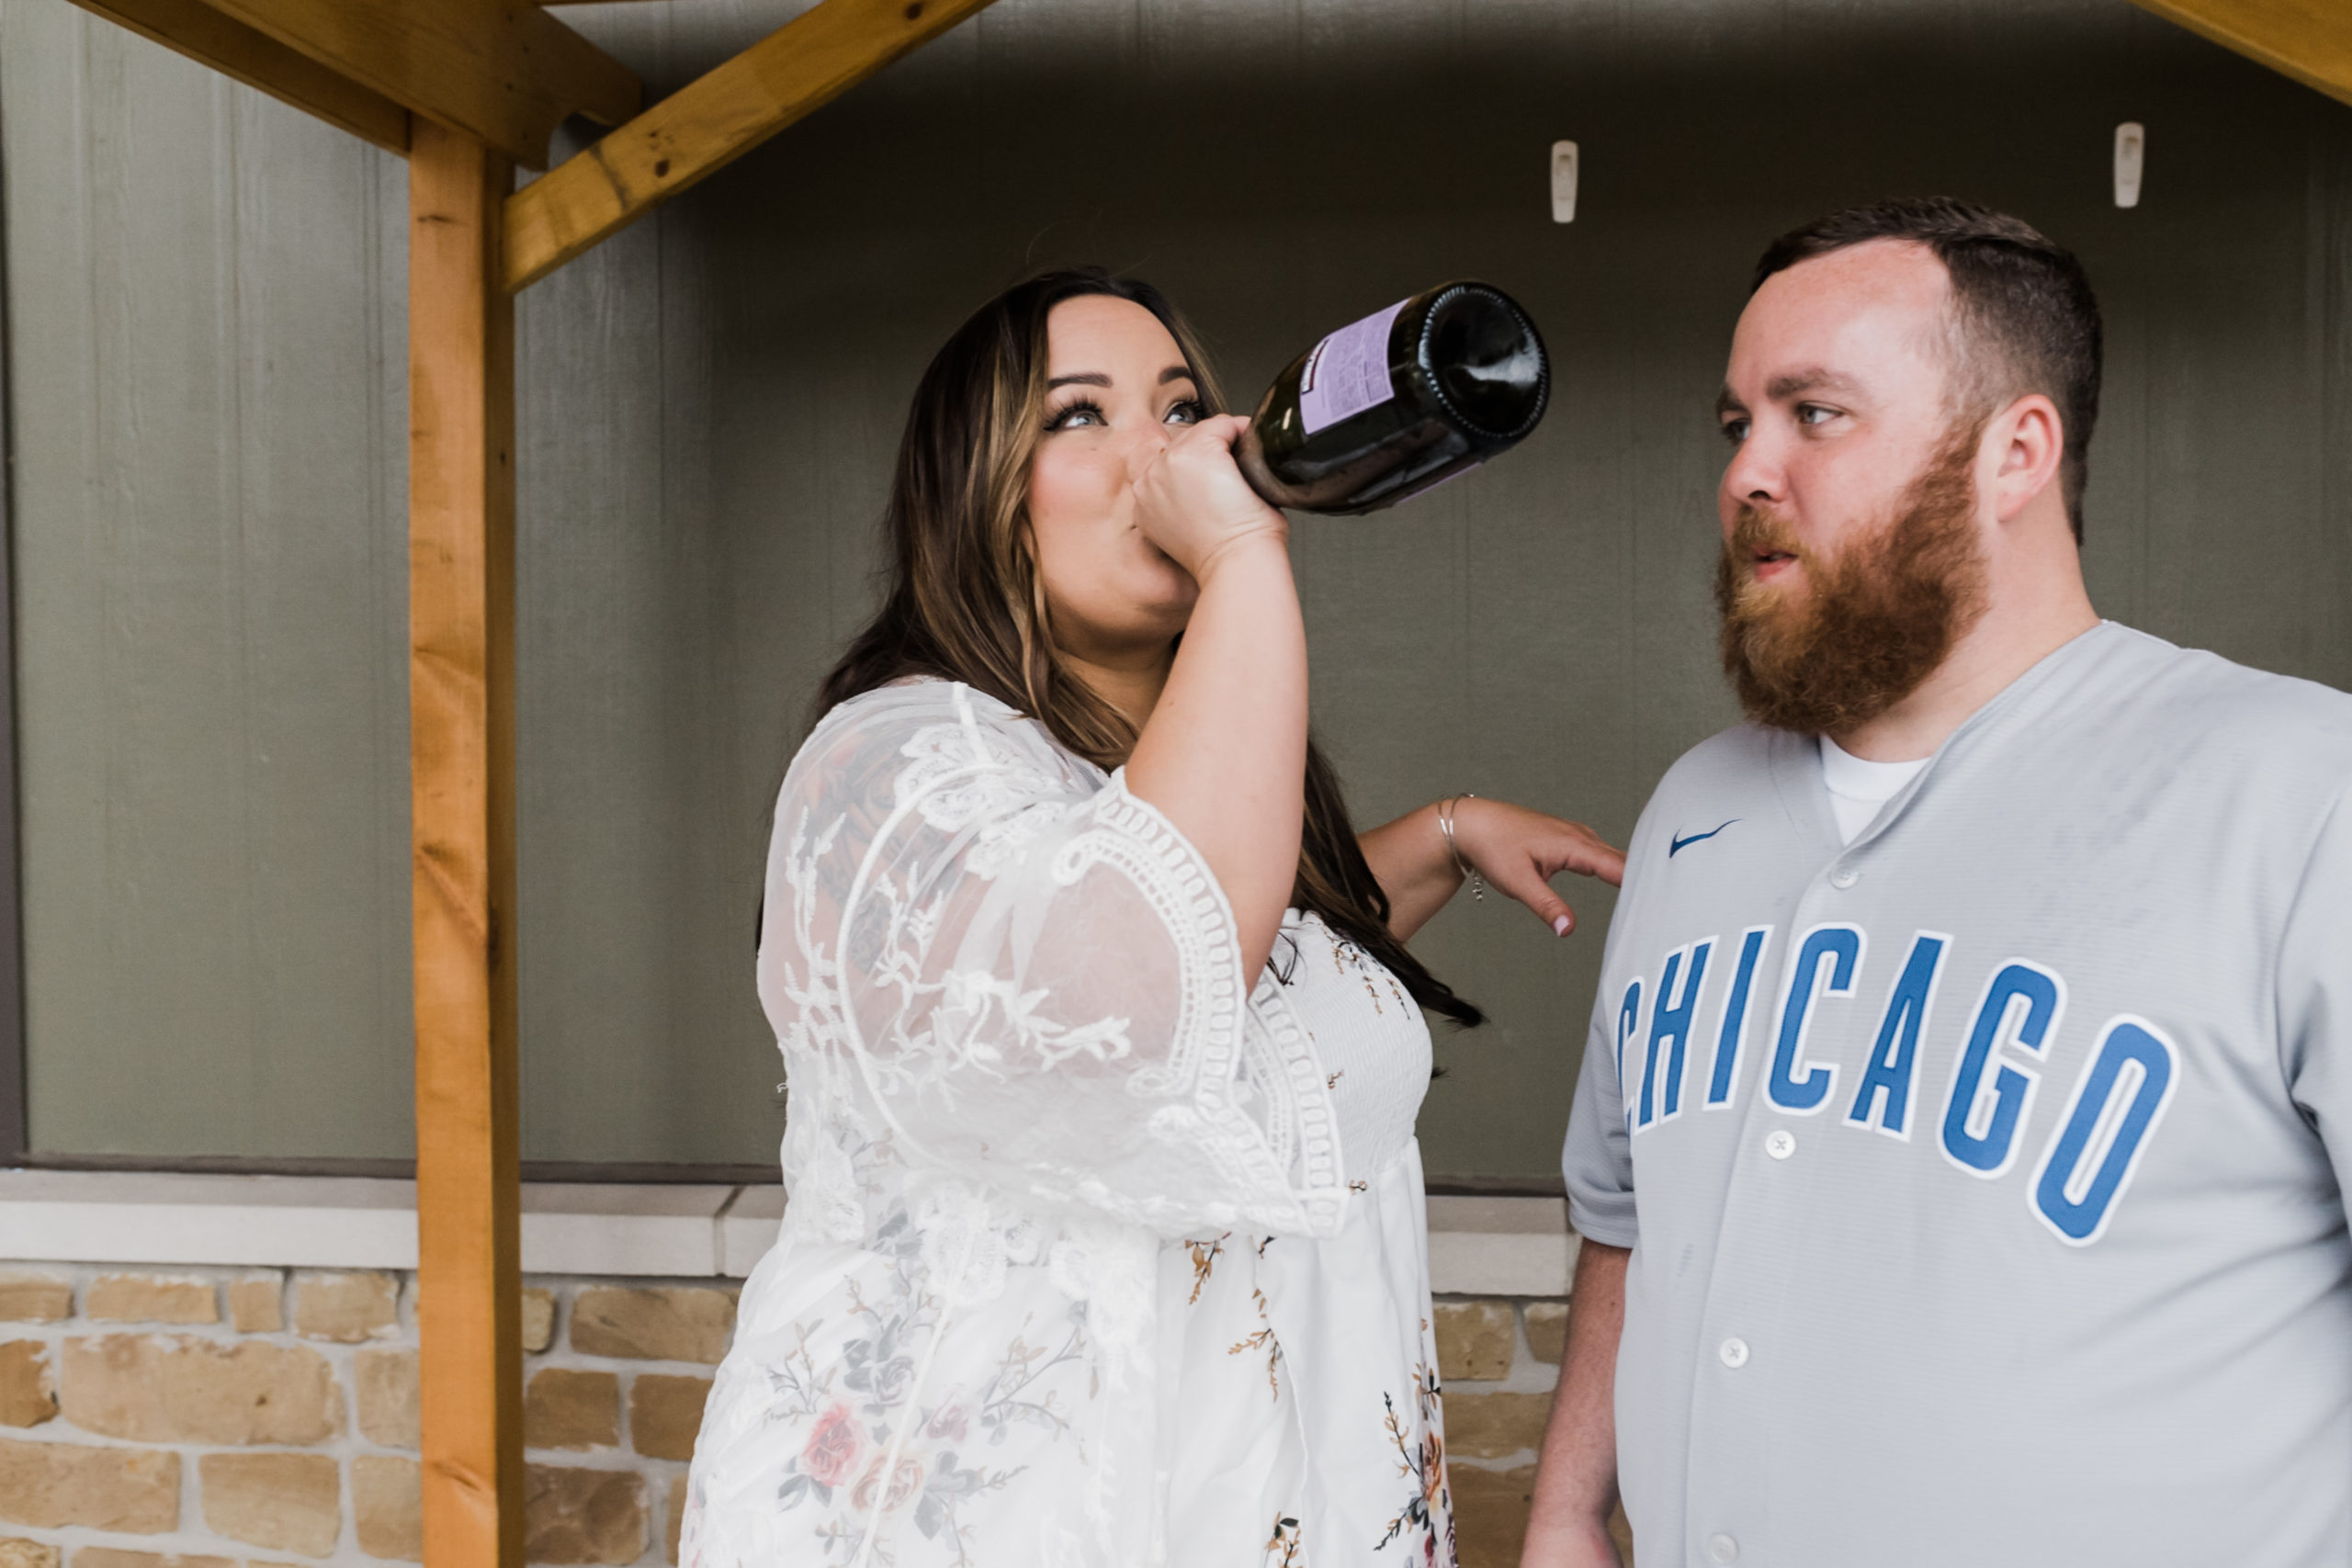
point(2309, 41)
point(461, 740)
point(501, 71)
point(203, 34)
point(708, 124)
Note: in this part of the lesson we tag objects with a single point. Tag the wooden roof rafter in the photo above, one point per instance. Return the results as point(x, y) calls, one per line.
point(215, 39)
point(502, 72)
point(507, 73)
point(712, 121)
point(2309, 41)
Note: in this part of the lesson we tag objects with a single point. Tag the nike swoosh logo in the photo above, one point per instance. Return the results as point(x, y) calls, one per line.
point(1678, 845)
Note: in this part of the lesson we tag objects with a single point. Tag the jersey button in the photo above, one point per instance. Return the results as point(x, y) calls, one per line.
point(1845, 877)
point(1780, 1143)
point(1722, 1548)
point(1734, 1352)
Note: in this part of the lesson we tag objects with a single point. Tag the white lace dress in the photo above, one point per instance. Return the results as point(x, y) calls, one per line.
point(1092, 1254)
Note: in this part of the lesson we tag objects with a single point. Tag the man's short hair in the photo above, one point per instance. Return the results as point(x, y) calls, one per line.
point(2025, 318)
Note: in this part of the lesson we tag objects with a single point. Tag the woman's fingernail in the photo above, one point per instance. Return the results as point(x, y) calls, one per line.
point(1560, 926)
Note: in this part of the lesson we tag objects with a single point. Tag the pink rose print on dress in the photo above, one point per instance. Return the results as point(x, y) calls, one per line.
point(905, 1482)
point(834, 1448)
point(948, 1424)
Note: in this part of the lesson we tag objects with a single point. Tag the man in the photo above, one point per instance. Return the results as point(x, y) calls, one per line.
point(1960, 1136)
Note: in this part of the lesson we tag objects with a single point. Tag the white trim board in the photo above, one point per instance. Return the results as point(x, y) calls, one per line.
point(1477, 1246)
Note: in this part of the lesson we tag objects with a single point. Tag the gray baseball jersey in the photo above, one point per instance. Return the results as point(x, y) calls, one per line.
point(1983, 1176)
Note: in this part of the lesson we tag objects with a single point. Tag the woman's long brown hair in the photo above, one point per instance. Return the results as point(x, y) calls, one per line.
point(965, 601)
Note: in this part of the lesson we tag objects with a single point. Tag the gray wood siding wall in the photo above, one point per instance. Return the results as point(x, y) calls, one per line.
point(206, 340)
point(206, 303)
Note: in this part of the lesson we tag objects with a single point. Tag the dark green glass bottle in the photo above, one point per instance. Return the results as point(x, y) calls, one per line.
point(1398, 403)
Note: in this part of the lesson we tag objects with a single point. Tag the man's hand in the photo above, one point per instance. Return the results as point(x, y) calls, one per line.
point(1589, 1545)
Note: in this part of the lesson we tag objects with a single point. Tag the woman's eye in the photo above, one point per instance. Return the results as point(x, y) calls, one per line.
point(1189, 411)
point(1075, 415)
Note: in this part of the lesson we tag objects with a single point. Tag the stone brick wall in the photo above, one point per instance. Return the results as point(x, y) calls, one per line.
point(266, 1418)
point(1499, 1360)
point(208, 1418)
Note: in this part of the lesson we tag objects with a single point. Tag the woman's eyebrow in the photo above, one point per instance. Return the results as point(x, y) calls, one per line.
point(1096, 377)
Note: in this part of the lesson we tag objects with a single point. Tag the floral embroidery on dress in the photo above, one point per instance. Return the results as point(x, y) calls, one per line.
point(864, 979)
point(1427, 1513)
point(1347, 957)
point(979, 1011)
point(964, 772)
point(1262, 1338)
point(834, 1155)
point(1205, 1256)
point(989, 1132)
point(1284, 1541)
point(865, 1426)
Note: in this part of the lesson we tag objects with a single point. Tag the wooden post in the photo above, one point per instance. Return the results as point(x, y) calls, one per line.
point(462, 740)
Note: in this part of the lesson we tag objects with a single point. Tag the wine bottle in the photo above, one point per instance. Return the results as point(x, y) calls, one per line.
point(1398, 403)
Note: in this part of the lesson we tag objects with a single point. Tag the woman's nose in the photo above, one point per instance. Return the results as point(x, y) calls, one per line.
point(1143, 443)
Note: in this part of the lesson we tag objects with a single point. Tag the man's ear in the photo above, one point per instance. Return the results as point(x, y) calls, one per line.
point(2025, 443)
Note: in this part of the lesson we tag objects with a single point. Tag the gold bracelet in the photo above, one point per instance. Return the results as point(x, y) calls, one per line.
point(1445, 826)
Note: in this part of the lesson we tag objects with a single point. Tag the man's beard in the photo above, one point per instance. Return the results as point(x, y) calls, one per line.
point(1872, 623)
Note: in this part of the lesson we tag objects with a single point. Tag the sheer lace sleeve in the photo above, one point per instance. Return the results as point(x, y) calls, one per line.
point(1033, 976)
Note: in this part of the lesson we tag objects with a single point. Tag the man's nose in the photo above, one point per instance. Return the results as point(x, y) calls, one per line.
point(1755, 473)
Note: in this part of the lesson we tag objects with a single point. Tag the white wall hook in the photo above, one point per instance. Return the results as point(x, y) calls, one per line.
point(1564, 182)
point(2131, 159)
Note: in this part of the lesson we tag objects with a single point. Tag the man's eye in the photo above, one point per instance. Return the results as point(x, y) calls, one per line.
point(1735, 431)
point(1189, 411)
point(1815, 414)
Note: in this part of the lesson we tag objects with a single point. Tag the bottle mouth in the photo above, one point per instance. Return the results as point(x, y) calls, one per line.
point(1496, 380)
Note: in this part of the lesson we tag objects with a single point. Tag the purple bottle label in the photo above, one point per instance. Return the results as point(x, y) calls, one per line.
point(1347, 372)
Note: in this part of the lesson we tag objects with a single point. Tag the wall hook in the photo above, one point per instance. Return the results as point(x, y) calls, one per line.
point(1564, 182)
point(2131, 159)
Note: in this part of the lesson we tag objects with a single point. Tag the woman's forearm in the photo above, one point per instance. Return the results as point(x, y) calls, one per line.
point(1414, 867)
point(1223, 754)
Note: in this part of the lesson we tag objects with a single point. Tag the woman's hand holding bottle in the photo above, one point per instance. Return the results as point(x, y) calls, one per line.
point(1192, 503)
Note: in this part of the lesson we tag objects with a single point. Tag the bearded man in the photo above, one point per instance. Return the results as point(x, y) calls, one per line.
point(1958, 1151)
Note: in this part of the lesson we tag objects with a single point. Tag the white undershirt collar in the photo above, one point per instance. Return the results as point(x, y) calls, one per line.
point(1859, 787)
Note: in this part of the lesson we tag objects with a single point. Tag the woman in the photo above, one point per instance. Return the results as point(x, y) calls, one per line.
point(1104, 1243)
